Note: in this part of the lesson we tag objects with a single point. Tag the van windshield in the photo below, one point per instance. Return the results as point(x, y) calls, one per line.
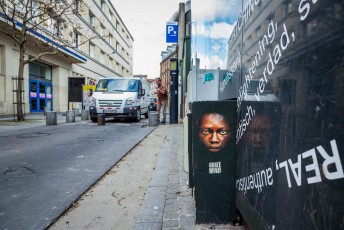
point(113, 85)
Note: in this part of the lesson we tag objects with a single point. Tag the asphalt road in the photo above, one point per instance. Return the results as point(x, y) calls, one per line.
point(45, 169)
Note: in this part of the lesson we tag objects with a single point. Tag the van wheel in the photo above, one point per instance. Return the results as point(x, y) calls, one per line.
point(94, 119)
point(146, 114)
point(138, 115)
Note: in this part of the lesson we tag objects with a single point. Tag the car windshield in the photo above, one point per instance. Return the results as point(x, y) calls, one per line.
point(152, 100)
point(113, 85)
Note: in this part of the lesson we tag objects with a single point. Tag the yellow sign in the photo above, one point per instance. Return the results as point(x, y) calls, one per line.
point(87, 95)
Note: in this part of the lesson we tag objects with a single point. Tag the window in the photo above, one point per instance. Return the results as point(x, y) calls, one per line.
point(5, 4)
point(110, 40)
point(35, 12)
point(58, 29)
point(101, 30)
point(50, 24)
point(40, 71)
point(77, 6)
point(117, 67)
point(91, 19)
point(91, 50)
point(110, 63)
point(77, 40)
point(2, 53)
point(102, 6)
point(102, 54)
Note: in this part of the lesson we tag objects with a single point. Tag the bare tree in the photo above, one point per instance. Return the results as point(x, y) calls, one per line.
point(27, 18)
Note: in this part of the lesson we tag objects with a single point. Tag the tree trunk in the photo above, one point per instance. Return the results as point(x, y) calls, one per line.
point(19, 93)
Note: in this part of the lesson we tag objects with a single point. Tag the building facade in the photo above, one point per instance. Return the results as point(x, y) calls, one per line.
point(171, 52)
point(89, 40)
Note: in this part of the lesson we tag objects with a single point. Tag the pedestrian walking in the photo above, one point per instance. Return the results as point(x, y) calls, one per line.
point(161, 92)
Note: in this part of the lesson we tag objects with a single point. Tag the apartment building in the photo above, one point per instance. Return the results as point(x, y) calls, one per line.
point(88, 40)
point(171, 52)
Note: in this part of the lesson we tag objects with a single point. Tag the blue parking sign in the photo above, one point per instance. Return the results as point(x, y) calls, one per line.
point(172, 32)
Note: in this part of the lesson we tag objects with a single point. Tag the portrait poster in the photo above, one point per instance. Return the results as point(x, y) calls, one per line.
point(213, 152)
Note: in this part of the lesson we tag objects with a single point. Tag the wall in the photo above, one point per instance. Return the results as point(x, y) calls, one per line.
point(60, 89)
point(288, 59)
point(289, 136)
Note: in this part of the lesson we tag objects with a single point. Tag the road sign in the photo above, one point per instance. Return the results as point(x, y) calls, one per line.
point(172, 32)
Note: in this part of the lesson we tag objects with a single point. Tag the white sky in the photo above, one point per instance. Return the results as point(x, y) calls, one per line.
point(146, 21)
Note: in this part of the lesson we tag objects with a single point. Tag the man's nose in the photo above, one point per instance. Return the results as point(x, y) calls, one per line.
point(258, 137)
point(214, 138)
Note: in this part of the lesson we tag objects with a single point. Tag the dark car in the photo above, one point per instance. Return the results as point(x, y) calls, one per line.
point(153, 103)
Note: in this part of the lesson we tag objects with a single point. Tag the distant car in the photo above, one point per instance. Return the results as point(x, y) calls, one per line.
point(153, 104)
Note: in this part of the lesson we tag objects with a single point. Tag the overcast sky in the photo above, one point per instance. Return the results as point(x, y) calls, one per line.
point(146, 21)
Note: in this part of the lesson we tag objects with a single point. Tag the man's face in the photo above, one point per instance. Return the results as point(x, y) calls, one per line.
point(214, 132)
point(259, 132)
point(158, 82)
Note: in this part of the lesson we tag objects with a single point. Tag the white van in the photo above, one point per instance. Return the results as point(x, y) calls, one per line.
point(120, 97)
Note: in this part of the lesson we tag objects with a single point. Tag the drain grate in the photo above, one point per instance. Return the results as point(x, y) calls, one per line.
point(33, 135)
point(18, 170)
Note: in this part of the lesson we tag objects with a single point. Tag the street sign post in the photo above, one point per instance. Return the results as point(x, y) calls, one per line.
point(172, 32)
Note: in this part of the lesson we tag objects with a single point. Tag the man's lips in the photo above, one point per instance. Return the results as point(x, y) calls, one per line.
point(215, 147)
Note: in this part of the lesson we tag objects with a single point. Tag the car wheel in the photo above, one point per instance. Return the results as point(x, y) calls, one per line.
point(138, 115)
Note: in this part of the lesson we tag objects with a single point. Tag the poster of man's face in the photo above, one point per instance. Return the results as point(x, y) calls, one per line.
point(213, 159)
point(214, 132)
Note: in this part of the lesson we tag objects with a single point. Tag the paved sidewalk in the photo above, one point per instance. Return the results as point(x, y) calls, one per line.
point(168, 203)
point(8, 122)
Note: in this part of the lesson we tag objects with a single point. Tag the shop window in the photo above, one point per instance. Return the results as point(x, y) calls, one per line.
point(40, 71)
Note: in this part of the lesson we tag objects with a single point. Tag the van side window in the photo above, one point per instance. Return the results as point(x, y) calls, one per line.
point(140, 86)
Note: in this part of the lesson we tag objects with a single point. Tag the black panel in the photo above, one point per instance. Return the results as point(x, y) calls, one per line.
point(75, 89)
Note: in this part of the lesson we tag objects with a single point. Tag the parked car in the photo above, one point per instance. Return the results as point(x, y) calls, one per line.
point(153, 104)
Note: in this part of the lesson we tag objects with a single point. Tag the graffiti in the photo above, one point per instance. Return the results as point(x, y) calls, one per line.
point(208, 77)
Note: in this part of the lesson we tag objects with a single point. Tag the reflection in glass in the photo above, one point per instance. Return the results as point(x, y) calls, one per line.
point(41, 104)
point(33, 103)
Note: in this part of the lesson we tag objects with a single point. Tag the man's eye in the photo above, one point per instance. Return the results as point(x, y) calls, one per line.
point(205, 132)
point(223, 132)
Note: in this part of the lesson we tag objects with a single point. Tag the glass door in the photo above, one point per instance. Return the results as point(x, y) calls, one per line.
point(40, 96)
point(33, 96)
point(41, 88)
